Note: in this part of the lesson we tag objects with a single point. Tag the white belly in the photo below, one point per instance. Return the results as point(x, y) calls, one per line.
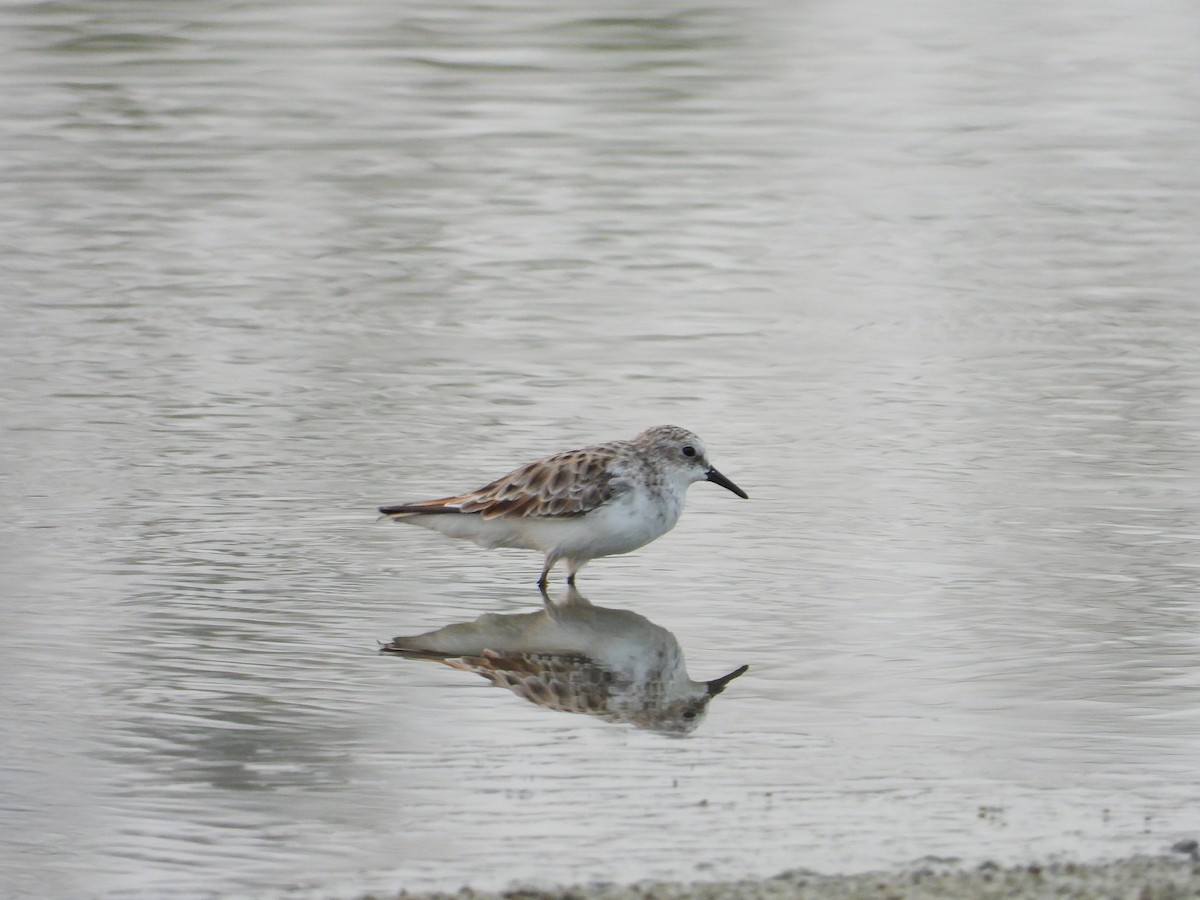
point(620, 526)
point(629, 521)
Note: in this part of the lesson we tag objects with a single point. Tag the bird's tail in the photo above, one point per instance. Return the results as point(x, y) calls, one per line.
point(424, 508)
point(407, 648)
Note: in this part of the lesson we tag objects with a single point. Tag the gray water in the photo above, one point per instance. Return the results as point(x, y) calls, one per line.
point(923, 276)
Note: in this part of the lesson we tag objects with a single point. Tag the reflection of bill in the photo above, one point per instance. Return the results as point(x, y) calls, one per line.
point(576, 657)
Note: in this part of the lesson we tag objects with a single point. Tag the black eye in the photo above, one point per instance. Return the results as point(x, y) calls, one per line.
point(689, 450)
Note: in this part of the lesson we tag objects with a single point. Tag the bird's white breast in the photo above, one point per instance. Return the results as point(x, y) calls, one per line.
point(630, 520)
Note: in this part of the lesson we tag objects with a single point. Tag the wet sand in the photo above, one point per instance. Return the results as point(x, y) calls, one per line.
point(1172, 877)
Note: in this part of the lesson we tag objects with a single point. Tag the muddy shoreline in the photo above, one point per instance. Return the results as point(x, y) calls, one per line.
point(1169, 877)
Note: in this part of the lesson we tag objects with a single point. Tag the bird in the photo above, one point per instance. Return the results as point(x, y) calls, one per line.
point(572, 656)
point(578, 505)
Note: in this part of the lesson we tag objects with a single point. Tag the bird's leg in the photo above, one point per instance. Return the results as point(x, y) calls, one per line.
point(544, 580)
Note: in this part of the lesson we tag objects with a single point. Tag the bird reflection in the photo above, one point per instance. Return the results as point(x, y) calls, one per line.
point(575, 657)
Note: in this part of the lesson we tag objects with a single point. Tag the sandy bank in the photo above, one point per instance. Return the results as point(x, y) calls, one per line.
point(1172, 877)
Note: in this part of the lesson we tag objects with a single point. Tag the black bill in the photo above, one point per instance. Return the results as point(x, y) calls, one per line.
point(717, 478)
point(718, 684)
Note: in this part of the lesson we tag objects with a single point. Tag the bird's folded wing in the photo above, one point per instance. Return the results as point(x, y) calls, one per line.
point(569, 682)
point(569, 484)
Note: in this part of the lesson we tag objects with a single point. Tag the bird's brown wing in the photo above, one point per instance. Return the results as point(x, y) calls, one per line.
point(566, 484)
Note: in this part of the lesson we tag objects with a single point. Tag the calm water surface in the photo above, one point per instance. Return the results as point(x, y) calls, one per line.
point(924, 279)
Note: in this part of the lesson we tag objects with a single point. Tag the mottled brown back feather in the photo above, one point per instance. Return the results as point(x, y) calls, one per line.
point(566, 484)
point(569, 484)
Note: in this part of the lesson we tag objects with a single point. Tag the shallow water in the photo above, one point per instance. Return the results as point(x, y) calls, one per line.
point(924, 281)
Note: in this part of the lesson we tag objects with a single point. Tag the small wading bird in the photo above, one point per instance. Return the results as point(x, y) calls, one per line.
point(579, 505)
